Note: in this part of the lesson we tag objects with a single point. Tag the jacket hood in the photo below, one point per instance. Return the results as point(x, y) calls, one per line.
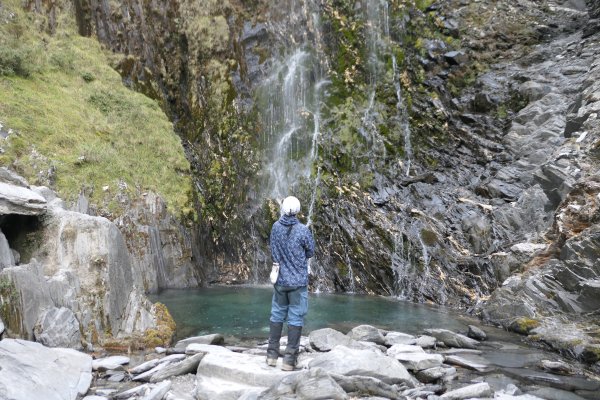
point(288, 220)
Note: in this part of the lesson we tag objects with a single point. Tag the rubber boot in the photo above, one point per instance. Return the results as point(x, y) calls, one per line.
point(275, 329)
point(291, 351)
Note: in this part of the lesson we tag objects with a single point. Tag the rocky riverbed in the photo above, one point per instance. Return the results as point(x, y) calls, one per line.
point(365, 363)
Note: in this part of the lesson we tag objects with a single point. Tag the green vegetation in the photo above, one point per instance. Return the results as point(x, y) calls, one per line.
point(76, 125)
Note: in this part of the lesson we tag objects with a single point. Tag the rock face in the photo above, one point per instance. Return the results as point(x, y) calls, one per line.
point(20, 200)
point(78, 276)
point(58, 327)
point(32, 371)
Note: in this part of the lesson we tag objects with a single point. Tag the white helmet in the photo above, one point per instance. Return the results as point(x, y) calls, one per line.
point(290, 206)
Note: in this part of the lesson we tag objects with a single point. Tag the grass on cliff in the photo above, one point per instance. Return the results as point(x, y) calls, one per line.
point(76, 126)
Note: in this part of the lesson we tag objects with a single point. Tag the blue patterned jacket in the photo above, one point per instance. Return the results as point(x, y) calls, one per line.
point(292, 245)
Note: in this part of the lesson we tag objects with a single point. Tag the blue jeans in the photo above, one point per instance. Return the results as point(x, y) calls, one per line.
point(291, 303)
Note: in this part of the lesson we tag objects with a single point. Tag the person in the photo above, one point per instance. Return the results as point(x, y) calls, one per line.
point(292, 245)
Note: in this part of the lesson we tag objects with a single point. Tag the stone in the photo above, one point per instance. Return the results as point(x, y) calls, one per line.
point(7, 258)
point(455, 57)
point(468, 361)
point(557, 367)
point(214, 339)
point(367, 384)
point(476, 333)
point(393, 338)
point(426, 342)
point(317, 384)
point(112, 362)
point(326, 339)
point(159, 391)
point(452, 339)
point(58, 327)
point(419, 361)
point(468, 392)
point(555, 394)
point(117, 377)
point(403, 348)
point(148, 365)
point(194, 348)
point(32, 371)
point(346, 361)
point(430, 375)
point(93, 397)
point(367, 333)
point(186, 366)
point(7, 176)
point(220, 373)
point(131, 393)
point(20, 200)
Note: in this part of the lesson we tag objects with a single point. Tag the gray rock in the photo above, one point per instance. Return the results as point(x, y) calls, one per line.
point(433, 374)
point(393, 338)
point(7, 258)
point(367, 384)
point(452, 339)
point(141, 390)
point(146, 366)
point(367, 333)
point(346, 361)
point(186, 366)
point(426, 342)
point(7, 176)
point(476, 333)
point(419, 361)
point(107, 363)
point(326, 339)
point(468, 392)
point(119, 377)
point(194, 348)
point(468, 361)
point(456, 57)
point(532, 90)
point(58, 327)
point(93, 397)
point(555, 394)
point(317, 384)
point(214, 339)
point(159, 391)
point(557, 367)
point(404, 348)
point(32, 371)
point(20, 200)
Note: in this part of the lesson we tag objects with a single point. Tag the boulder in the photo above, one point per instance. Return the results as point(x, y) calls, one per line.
point(214, 338)
point(58, 327)
point(455, 57)
point(403, 349)
point(433, 374)
point(159, 391)
point(393, 338)
point(468, 361)
point(426, 342)
point(346, 361)
point(317, 384)
point(112, 362)
point(326, 339)
point(194, 348)
point(476, 333)
point(452, 339)
point(186, 366)
point(32, 371)
point(468, 392)
point(419, 361)
point(20, 200)
point(367, 333)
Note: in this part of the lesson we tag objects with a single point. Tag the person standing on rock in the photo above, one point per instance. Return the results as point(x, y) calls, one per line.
point(292, 245)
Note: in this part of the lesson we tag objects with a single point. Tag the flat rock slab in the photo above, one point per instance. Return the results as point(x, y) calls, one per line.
point(393, 338)
point(194, 348)
point(569, 383)
point(404, 348)
point(243, 369)
point(32, 371)
point(214, 338)
point(469, 361)
point(208, 388)
point(419, 361)
point(452, 339)
point(186, 366)
point(109, 362)
point(346, 361)
point(426, 342)
point(20, 200)
point(468, 392)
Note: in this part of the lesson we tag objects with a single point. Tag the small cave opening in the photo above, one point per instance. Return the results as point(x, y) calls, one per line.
point(23, 233)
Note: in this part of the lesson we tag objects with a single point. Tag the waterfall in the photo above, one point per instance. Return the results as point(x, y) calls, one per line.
point(292, 95)
point(403, 117)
